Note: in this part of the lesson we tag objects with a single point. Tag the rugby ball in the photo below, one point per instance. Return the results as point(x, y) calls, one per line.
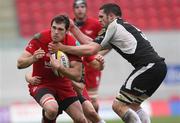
point(63, 59)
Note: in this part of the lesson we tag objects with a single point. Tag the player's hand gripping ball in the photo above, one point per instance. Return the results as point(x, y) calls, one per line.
point(59, 59)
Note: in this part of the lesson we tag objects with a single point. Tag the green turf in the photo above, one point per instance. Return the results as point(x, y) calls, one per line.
point(156, 120)
point(174, 119)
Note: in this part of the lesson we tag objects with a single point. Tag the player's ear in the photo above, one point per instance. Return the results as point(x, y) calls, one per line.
point(111, 16)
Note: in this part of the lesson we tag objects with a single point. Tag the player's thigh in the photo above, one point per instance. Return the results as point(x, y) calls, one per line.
point(45, 96)
point(75, 110)
point(90, 112)
point(88, 107)
point(47, 99)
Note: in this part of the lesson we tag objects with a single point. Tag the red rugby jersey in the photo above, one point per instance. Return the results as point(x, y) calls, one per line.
point(42, 66)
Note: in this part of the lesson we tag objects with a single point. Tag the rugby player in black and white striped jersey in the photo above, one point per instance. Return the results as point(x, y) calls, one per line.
point(150, 69)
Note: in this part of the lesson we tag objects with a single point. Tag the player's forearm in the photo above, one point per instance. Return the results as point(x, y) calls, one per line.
point(78, 87)
point(25, 62)
point(81, 37)
point(82, 50)
point(103, 52)
point(70, 73)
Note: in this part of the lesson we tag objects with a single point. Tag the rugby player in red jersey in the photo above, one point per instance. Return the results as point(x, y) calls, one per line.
point(91, 27)
point(88, 109)
point(54, 94)
point(96, 62)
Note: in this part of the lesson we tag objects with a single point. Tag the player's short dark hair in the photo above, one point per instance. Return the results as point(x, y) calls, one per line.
point(77, 2)
point(111, 7)
point(61, 19)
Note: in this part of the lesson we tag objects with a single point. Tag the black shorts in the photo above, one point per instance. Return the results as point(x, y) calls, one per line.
point(63, 104)
point(81, 98)
point(142, 83)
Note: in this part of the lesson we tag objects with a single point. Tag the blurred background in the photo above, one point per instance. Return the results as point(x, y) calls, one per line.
point(20, 19)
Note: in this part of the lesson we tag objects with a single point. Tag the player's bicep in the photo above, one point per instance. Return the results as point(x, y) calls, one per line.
point(106, 36)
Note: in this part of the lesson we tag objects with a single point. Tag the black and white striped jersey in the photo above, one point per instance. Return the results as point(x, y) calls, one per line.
point(129, 42)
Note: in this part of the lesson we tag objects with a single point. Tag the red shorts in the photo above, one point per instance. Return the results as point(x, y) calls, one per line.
point(85, 94)
point(92, 78)
point(60, 93)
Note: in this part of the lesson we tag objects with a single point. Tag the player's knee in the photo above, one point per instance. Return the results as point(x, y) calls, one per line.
point(52, 112)
point(118, 107)
point(92, 113)
point(135, 106)
point(51, 107)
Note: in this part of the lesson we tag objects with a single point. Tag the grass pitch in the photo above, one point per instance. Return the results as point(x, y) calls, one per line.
point(174, 119)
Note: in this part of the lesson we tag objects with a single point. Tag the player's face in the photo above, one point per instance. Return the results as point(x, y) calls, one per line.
point(103, 18)
point(58, 31)
point(80, 11)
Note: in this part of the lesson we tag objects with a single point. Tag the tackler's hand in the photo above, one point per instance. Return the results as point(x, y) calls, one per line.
point(72, 24)
point(53, 47)
point(99, 58)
